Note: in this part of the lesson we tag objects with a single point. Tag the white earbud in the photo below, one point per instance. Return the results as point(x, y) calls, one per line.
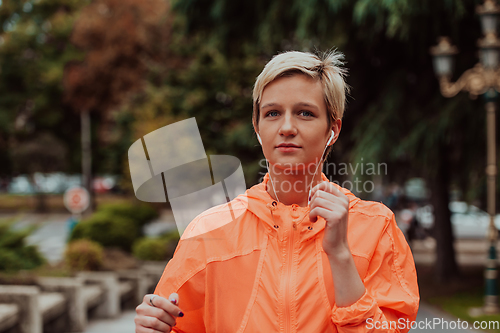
point(331, 138)
point(258, 138)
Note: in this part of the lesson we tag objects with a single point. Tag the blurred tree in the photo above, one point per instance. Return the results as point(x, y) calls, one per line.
point(33, 50)
point(32, 156)
point(121, 39)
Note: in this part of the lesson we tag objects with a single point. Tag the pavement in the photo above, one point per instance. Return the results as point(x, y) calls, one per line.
point(53, 230)
point(431, 319)
point(123, 324)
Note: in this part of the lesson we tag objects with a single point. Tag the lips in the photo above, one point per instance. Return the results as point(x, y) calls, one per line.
point(288, 145)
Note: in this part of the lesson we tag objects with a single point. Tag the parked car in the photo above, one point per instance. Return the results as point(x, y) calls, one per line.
point(58, 183)
point(468, 221)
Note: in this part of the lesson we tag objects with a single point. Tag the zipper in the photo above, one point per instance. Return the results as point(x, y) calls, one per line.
point(287, 284)
point(288, 324)
point(272, 207)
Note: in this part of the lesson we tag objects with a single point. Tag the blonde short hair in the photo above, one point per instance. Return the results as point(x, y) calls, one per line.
point(325, 67)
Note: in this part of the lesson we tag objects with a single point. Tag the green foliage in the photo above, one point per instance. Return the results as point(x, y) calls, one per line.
point(156, 249)
point(115, 224)
point(150, 249)
point(172, 238)
point(34, 48)
point(266, 25)
point(141, 213)
point(14, 253)
point(109, 230)
point(83, 255)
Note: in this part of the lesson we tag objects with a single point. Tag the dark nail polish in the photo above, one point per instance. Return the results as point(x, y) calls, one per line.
point(181, 314)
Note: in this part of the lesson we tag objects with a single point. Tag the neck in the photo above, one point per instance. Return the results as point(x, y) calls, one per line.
point(292, 188)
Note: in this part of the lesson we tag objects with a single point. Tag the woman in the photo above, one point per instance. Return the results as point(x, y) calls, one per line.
point(295, 253)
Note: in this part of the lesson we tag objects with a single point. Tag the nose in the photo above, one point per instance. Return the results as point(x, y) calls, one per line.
point(288, 127)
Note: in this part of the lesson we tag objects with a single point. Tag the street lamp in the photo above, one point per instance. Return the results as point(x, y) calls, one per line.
point(482, 79)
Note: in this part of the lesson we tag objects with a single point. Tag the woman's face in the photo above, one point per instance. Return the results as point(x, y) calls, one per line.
point(293, 112)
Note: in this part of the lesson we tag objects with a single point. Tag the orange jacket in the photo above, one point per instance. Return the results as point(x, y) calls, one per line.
point(254, 269)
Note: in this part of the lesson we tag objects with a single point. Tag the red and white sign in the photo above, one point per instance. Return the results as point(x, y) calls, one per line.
point(76, 199)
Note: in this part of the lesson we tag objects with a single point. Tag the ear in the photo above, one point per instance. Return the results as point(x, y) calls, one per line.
point(336, 126)
point(258, 138)
point(332, 135)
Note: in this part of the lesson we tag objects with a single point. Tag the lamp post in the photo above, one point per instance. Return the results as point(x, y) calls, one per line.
point(482, 79)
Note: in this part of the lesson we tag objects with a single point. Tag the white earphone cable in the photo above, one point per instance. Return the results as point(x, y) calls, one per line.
point(267, 165)
point(310, 186)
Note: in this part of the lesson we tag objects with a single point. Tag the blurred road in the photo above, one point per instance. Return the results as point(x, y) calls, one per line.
point(51, 233)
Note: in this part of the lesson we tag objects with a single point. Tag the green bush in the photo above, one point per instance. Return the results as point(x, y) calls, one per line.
point(14, 253)
point(157, 249)
point(150, 249)
point(109, 230)
point(172, 238)
point(83, 255)
point(141, 213)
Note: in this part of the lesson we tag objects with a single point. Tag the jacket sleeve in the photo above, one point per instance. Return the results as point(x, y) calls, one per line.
point(184, 275)
point(390, 302)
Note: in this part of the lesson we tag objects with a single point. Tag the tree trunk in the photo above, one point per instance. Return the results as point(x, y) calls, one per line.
point(87, 156)
point(40, 197)
point(446, 266)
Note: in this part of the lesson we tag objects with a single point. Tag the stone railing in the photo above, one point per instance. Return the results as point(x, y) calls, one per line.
point(66, 304)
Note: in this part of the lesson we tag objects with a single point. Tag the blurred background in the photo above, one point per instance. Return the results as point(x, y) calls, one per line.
point(82, 80)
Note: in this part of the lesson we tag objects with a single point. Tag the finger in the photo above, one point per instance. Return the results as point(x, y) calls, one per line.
point(318, 211)
point(151, 323)
point(174, 298)
point(334, 206)
point(164, 304)
point(329, 200)
point(329, 188)
point(328, 215)
point(141, 329)
point(321, 186)
point(146, 310)
point(322, 194)
point(163, 316)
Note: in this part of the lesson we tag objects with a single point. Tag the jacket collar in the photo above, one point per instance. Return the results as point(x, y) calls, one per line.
point(261, 203)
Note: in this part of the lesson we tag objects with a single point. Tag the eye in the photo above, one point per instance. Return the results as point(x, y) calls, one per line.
point(272, 113)
point(306, 113)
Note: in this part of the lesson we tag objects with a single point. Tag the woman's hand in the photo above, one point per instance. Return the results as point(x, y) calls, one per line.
point(332, 205)
point(157, 316)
